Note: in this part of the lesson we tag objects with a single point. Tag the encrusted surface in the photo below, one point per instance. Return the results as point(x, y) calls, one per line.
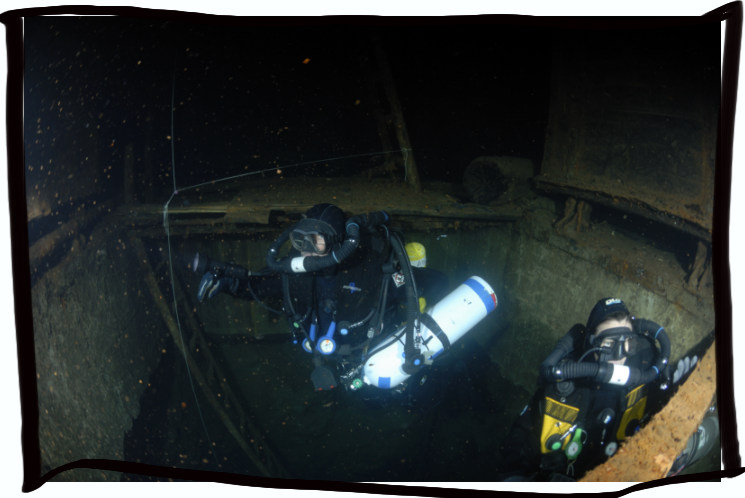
point(666, 435)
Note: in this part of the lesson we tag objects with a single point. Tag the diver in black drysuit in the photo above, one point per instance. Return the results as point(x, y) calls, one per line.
point(596, 387)
point(339, 291)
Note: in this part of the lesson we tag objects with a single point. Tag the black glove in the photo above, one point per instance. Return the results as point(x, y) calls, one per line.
point(211, 285)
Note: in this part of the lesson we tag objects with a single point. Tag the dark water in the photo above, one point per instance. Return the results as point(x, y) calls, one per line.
point(270, 94)
point(444, 427)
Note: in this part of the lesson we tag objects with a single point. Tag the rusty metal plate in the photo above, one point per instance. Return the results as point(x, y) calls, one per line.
point(633, 122)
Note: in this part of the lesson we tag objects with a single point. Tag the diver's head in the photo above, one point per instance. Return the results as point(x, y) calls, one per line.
point(321, 228)
point(610, 331)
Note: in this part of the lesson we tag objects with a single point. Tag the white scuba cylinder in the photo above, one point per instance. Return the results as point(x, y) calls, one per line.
point(456, 314)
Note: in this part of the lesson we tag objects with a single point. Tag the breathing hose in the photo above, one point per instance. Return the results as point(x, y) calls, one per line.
point(556, 368)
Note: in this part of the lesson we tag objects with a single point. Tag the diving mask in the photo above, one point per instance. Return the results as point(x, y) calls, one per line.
point(312, 236)
point(308, 243)
point(614, 344)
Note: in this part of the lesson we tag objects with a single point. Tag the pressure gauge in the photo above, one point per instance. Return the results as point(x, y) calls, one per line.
point(307, 346)
point(611, 448)
point(326, 346)
point(573, 450)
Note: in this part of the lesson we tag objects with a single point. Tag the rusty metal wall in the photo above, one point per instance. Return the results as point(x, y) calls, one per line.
point(633, 121)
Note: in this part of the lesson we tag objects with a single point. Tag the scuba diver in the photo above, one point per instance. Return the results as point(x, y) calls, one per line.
point(594, 394)
point(355, 298)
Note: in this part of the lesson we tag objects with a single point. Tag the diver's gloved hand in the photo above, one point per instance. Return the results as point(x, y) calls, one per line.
point(211, 285)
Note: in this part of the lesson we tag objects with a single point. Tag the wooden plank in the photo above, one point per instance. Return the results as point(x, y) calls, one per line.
point(283, 199)
point(43, 247)
point(397, 117)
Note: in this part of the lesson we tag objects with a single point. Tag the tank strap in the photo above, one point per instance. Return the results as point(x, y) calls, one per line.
point(434, 327)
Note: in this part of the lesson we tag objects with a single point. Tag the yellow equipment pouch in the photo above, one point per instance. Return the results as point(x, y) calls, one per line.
point(636, 403)
point(558, 419)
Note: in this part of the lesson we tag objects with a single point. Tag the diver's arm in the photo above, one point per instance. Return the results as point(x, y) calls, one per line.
point(565, 346)
point(233, 279)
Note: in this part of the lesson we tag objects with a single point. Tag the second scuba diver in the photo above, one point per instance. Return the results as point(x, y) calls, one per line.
point(595, 389)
